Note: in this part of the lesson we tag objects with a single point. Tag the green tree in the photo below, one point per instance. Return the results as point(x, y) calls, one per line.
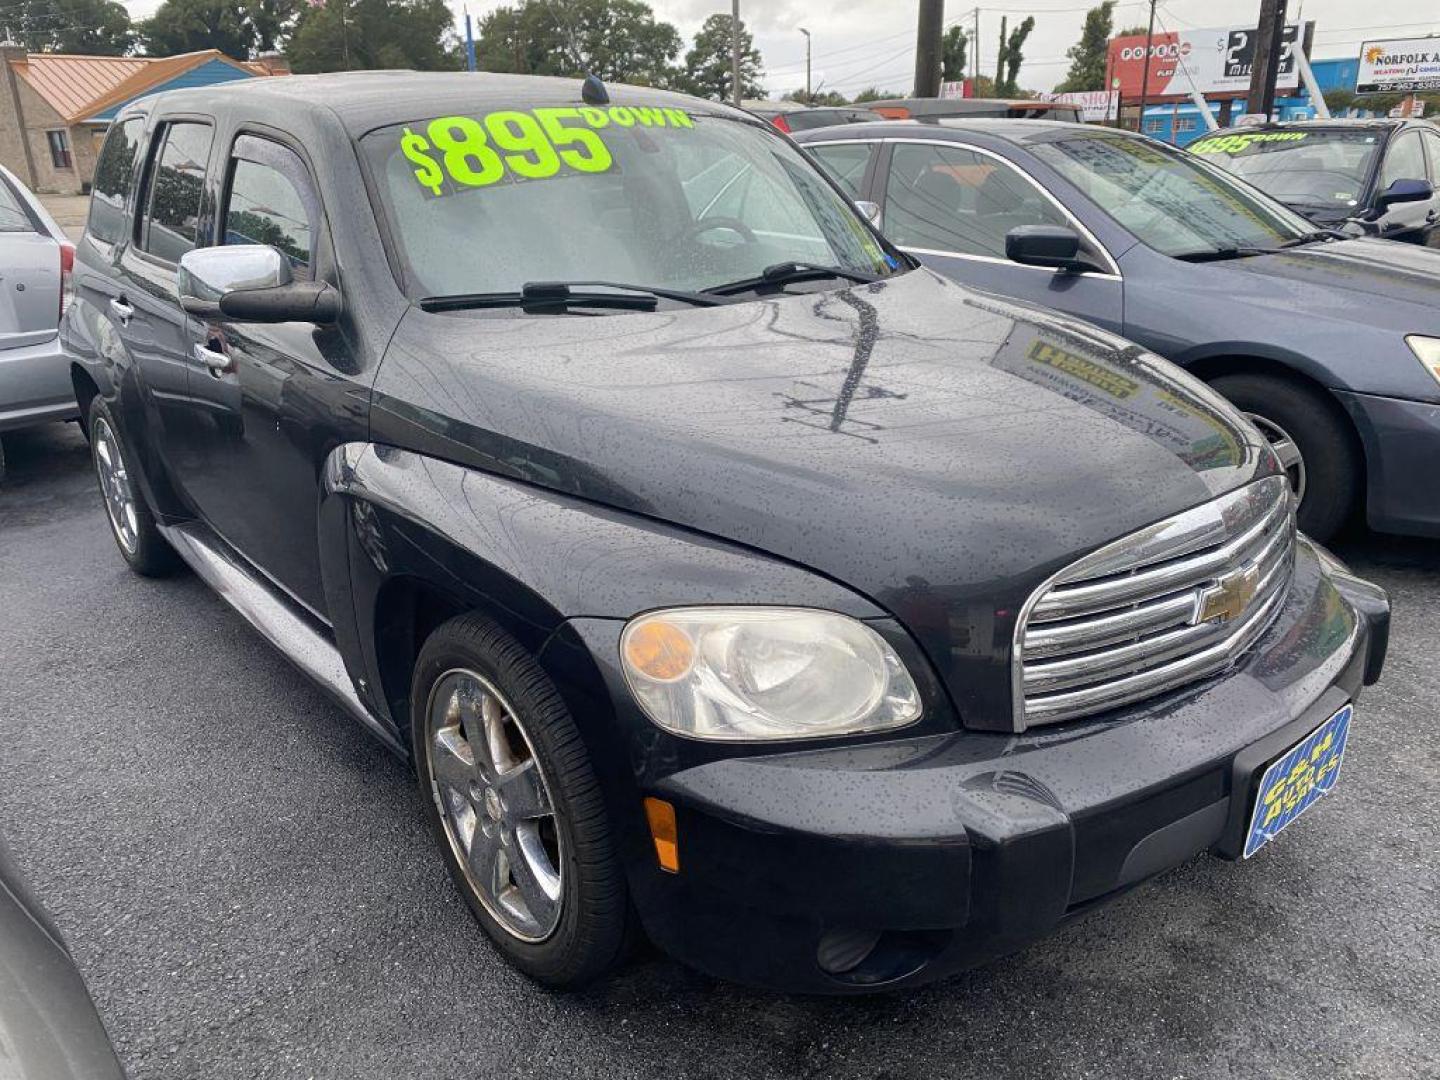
point(1007, 63)
point(238, 28)
point(375, 34)
point(817, 97)
point(1088, 55)
point(707, 64)
point(94, 27)
point(1133, 31)
point(618, 40)
point(952, 54)
point(874, 93)
point(1339, 99)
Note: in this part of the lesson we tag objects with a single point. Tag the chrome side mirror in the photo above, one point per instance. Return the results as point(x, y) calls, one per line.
point(870, 210)
point(207, 274)
point(250, 283)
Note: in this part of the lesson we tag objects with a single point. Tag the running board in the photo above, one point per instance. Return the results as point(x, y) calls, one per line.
point(275, 617)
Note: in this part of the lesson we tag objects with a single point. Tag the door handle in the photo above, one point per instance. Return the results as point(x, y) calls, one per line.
point(213, 359)
point(121, 310)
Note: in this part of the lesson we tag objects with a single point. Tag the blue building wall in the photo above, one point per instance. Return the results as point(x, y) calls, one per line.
point(206, 74)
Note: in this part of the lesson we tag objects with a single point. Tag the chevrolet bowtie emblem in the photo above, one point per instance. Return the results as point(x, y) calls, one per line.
point(1228, 598)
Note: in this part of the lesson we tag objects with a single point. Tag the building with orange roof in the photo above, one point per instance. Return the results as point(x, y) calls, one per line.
point(55, 107)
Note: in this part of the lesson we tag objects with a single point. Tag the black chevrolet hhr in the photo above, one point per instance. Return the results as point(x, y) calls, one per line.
point(725, 576)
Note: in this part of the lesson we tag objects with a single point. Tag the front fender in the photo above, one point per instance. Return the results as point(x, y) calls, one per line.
point(526, 556)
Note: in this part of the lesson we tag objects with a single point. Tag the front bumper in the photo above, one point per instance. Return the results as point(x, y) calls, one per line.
point(35, 385)
point(924, 856)
point(1402, 455)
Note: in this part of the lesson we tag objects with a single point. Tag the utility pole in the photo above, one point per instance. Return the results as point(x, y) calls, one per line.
point(975, 57)
point(927, 48)
point(1265, 69)
point(1145, 71)
point(735, 52)
point(344, 35)
point(809, 97)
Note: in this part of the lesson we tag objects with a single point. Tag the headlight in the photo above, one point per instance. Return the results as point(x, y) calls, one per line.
point(739, 673)
point(1427, 351)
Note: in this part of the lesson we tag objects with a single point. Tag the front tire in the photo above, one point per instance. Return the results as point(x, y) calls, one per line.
point(509, 791)
point(1311, 439)
point(131, 523)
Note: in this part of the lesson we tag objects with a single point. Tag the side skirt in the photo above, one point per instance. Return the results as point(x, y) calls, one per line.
point(278, 620)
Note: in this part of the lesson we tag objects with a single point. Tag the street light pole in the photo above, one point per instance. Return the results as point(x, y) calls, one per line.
point(735, 52)
point(809, 98)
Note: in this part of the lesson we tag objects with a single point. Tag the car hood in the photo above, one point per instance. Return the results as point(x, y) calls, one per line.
point(941, 451)
point(1358, 274)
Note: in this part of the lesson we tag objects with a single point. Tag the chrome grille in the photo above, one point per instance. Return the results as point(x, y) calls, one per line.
point(1172, 603)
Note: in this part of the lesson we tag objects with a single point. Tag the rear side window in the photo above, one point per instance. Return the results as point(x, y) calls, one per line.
point(177, 184)
point(14, 217)
point(114, 177)
point(1432, 148)
point(846, 163)
point(271, 201)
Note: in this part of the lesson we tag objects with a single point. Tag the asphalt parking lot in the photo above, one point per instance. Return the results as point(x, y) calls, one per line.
point(245, 880)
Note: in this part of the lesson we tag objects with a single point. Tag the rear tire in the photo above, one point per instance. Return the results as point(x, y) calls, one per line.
point(131, 523)
point(509, 791)
point(1312, 440)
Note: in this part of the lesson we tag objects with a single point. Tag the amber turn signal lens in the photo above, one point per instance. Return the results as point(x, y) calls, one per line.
point(659, 650)
point(661, 816)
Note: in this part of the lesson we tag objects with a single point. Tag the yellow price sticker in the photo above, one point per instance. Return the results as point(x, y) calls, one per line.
point(471, 152)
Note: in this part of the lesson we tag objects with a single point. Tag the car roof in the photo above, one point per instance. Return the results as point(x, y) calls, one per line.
point(1013, 129)
point(365, 100)
point(1333, 124)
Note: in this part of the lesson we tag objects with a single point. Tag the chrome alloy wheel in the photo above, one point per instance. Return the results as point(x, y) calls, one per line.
point(1286, 449)
point(495, 804)
point(115, 485)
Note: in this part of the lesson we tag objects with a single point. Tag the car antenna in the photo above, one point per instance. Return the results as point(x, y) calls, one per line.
point(594, 92)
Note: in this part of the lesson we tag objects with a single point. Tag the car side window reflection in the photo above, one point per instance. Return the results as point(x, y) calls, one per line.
point(947, 198)
point(1403, 161)
point(845, 163)
point(270, 200)
point(177, 186)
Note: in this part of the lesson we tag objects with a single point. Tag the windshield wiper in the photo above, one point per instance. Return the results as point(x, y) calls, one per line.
point(1315, 237)
point(784, 273)
point(559, 295)
point(1221, 254)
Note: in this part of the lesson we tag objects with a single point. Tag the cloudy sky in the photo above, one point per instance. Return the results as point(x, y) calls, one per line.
point(859, 43)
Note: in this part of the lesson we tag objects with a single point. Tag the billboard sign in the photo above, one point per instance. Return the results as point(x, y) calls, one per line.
point(1096, 106)
point(1208, 61)
point(1399, 66)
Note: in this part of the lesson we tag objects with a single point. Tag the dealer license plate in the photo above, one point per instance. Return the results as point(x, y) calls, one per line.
point(1298, 779)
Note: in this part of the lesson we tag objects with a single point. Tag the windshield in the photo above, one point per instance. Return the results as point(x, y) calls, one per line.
point(673, 198)
point(1311, 168)
point(1171, 201)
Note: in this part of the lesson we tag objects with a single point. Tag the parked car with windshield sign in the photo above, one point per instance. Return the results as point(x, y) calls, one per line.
point(1330, 346)
point(35, 264)
point(721, 572)
point(1378, 177)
